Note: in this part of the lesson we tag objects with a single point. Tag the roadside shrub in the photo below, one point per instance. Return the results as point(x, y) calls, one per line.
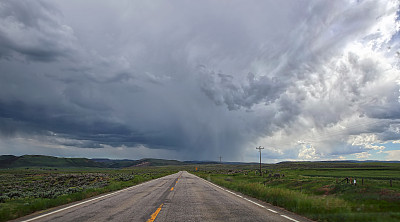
point(14, 194)
point(3, 198)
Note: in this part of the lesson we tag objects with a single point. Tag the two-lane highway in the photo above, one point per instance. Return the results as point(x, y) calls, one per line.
point(178, 197)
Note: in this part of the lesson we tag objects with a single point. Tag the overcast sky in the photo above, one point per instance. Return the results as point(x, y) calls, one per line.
point(193, 80)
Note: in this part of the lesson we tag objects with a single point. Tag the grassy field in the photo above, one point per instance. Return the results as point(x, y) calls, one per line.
point(318, 191)
point(24, 191)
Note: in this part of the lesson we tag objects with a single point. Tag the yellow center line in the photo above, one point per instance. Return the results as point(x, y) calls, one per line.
point(154, 215)
point(172, 188)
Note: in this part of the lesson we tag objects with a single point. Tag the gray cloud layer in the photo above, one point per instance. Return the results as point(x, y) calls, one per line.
point(200, 79)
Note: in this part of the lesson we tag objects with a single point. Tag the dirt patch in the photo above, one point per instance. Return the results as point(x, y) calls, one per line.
point(389, 195)
point(326, 190)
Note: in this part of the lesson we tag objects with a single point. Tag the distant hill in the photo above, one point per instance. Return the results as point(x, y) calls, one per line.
point(10, 161)
point(161, 162)
point(116, 163)
point(137, 163)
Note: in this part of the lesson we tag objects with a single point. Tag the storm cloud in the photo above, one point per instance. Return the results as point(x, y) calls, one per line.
point(195, 80)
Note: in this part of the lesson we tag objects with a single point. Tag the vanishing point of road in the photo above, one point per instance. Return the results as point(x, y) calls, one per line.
point(177, 197)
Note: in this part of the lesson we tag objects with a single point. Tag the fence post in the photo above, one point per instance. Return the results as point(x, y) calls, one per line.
point(362, 181)
point(390, 182)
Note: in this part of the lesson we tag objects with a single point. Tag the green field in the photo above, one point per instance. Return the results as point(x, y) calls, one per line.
point(318, 191)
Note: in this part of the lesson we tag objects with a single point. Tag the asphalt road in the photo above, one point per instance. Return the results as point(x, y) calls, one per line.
point(178, 197)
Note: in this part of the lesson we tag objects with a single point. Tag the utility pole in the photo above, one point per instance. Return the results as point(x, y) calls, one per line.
point(259, 149)
point(220, 159)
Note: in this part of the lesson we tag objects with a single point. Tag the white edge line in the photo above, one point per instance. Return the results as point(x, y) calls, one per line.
point(238, 195)
point(87, 201)
point(254, 203)
point(289, 218)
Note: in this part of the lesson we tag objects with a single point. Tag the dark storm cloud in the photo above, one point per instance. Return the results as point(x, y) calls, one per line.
point(84, 131)
point(57, 120)
point(30, 29)
point(201, 79)
point(222, 89)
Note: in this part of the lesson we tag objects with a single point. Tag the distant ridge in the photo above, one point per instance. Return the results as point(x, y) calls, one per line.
point(137, 163)
point(11, 161)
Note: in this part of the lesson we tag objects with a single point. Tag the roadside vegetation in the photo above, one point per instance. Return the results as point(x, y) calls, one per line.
point(26, 190)
point(319, 191)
